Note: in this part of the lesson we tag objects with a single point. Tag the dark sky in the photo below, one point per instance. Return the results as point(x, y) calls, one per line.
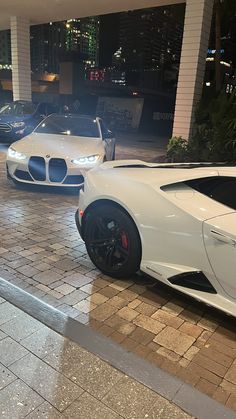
point(109, 38)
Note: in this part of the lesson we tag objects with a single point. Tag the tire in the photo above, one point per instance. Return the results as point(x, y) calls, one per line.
point(112, 241)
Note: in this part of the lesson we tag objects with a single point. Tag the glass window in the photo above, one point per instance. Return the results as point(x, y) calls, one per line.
point(51, 108)
point(220, 188)
point(18, 108)
point(69, 125)
point(42, 109)
point(106, 133)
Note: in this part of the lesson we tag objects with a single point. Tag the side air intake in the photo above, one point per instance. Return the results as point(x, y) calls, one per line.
point(195, 280)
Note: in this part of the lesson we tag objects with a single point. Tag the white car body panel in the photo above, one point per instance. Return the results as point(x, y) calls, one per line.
point(220, 242)
point(170, 217)
point(66, 147)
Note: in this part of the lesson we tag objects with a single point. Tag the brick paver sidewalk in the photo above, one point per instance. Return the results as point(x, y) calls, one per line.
point(43, 375)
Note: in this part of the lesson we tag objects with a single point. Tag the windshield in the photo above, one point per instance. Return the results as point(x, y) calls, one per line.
point(18, 109)
point(69, 125)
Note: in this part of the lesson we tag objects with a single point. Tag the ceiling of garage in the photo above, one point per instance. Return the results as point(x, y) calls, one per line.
point(57, 10)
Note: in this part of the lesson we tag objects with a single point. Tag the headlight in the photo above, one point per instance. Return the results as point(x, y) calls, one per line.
point(83, 161)
point(17, 124)
point(16, 154)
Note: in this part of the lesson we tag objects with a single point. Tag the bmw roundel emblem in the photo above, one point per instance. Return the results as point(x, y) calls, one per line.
point(48, 156)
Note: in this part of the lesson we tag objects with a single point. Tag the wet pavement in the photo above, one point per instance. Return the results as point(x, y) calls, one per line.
point(44, 375)
point(41, 252)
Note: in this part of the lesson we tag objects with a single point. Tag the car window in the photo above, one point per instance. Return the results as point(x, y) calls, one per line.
point(18, 108)
point(69, 125)
point(42, 109)
point(220, 188)
point(51, 108)
point(28, 108)
point(106, 133)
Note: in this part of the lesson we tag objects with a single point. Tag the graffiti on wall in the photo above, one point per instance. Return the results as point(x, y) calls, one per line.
point(121, 114)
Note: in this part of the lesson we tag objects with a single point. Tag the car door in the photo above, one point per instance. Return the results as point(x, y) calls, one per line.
point(220, 243)
point(220, 231)
point(109, 141)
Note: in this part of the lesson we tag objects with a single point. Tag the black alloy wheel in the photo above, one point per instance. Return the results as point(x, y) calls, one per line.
point(112, 241)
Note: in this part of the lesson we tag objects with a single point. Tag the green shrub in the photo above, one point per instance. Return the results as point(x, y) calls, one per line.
point(215, 127)
point(177, 149)
point(214, 134)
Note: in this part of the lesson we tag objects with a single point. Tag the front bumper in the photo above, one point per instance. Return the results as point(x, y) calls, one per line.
point(11, 136)
point(23, 172)
point(48, 171)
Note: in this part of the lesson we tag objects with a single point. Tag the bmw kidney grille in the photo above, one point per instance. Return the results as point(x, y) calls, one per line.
point(57, 169)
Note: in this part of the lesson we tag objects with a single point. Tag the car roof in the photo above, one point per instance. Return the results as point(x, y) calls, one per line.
point(74, 115)
point(22, 101)
point(26, 102)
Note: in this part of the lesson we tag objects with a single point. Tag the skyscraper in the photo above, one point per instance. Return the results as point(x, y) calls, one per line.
point(46, 42)
point(82, 36)
point(5, 49)
point(150, 40)
point(49, 41)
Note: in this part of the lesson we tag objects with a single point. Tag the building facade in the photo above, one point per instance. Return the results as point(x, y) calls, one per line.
point(5, 49)
point(82, 36)
point(46, 42)
point(150, 43)
point(49, 42)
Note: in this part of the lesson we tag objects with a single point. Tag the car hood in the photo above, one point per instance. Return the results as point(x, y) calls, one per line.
point(9, 119)
point(58, 145)
point(155, 174)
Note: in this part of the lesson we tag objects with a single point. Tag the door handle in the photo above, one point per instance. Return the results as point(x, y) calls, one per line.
point(223, 237)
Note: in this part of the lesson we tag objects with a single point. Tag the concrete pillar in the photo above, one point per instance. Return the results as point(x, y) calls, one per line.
point(20, 51)
point(197, 24)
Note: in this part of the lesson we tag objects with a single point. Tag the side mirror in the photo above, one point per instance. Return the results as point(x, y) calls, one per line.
point(109, 135)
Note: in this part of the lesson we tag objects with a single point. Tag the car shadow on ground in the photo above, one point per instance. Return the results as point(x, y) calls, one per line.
point(157, 288)
point(53, 190)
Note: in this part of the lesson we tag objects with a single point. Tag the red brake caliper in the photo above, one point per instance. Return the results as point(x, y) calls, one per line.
point(124, 240)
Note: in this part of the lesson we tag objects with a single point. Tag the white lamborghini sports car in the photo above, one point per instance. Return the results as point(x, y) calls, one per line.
point(174, 222)
point(59, 150)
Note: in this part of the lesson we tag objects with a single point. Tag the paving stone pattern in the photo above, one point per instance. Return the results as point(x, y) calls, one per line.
point(42, 253)
point(51, 377)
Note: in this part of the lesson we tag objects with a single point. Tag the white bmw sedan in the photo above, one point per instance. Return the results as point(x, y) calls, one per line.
point(60, 150)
